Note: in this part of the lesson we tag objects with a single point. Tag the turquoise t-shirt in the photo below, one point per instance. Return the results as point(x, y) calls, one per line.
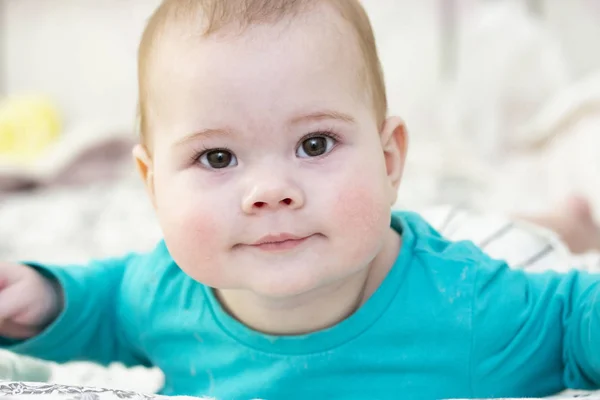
point(447, 322)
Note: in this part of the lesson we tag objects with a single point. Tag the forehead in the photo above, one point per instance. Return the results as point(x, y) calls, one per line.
point(309, 61)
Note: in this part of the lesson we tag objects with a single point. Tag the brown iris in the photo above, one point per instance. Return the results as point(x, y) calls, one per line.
point(315, 146)
point(219, 159)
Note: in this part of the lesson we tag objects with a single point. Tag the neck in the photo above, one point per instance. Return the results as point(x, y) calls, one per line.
point(315, 310)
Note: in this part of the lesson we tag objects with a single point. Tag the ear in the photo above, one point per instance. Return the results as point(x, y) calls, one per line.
point(145, 167)
point(394, 141)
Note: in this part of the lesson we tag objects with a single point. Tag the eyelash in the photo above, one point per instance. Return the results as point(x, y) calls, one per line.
point(332, 135)
point(205, 149)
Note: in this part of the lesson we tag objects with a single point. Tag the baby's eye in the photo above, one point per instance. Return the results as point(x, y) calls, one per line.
point(218, 159)
point(315, 146)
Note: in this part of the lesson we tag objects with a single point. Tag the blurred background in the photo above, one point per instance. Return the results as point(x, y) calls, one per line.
point(502, 99)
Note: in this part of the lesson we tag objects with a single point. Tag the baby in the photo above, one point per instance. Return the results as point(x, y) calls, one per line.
point(272, 164)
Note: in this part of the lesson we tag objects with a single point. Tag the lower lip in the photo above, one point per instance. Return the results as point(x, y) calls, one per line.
point(281, 246)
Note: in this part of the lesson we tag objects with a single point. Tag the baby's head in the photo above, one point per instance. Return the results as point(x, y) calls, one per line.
point(265, 121)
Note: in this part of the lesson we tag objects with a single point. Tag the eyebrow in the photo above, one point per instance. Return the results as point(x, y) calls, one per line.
point(203, 133)
point(316, 116)
point(323, 115)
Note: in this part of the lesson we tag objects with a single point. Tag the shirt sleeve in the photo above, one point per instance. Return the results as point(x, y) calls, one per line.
point(534, 334)
point(92, 326)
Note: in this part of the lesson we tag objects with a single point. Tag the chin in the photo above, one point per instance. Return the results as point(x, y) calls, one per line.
point(282, 287)
point(298, 282)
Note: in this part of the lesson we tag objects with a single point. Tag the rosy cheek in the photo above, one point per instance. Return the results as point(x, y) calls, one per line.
point(359, 207)
point(362, 216)
point(193, 240)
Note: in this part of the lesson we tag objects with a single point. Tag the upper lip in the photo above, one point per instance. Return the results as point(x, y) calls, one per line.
point(278, 238)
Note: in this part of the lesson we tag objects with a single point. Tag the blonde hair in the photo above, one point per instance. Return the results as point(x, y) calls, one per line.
point(215, 15)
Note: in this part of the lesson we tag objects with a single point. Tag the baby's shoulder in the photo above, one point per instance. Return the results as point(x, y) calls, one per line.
point(152, 280)
point(436, 255)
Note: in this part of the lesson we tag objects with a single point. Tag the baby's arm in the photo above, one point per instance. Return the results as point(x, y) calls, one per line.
point(539, 333)
point(90, 325)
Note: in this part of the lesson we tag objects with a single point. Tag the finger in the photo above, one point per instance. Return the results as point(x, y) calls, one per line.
point(12, 301)
point(10, 273)
point(12, 330)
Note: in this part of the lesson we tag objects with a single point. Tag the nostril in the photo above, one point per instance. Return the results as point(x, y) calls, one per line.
point(259, 204)
point(287, 201)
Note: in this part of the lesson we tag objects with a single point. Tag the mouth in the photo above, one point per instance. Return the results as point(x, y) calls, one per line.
point(280, 242)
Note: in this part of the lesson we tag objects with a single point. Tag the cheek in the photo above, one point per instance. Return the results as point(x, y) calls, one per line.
point(362, 216)
point(361, 209)
point(193, 231)
point(192, 239)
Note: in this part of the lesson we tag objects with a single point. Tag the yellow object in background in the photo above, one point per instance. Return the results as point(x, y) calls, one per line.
point(28, 126)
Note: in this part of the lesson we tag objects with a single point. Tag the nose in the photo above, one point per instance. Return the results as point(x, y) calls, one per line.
point(272, 193)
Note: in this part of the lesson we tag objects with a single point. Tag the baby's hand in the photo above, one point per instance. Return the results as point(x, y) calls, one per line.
point(29, 302)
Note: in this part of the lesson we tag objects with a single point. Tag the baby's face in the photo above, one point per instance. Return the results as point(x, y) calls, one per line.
point(268, 171)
